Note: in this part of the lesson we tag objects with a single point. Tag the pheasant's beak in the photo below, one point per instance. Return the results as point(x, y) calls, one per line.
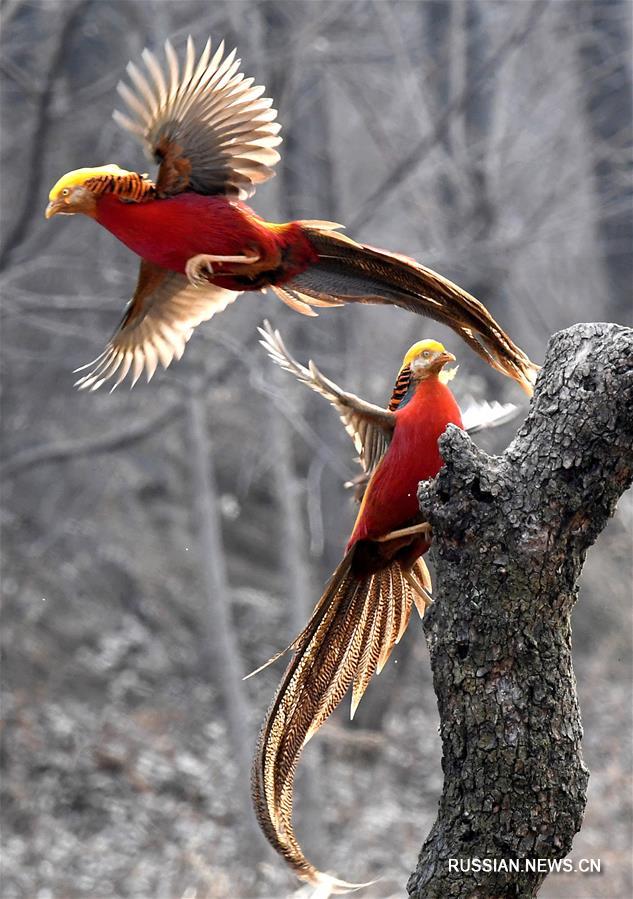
point(440, 361)
point(55, 207)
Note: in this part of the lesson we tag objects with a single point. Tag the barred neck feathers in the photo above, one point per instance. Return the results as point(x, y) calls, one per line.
point(106, 179)
point(130, 187)
point(401, 387)
point(404, 388)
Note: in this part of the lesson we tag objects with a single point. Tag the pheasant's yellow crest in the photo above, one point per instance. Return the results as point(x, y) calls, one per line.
point(432, 346)
point(80, 176)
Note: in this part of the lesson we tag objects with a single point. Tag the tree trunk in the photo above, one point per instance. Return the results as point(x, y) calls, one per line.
point(606, 50)
point(510, 537)
point(221, 647)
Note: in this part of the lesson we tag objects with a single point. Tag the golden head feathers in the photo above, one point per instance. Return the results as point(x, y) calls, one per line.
point(404, 377)
point(79, 176)
point(422, 346)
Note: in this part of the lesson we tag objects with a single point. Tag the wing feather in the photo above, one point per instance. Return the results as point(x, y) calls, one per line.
point(369, 426)
point(208, 126)
point(479, 415)
point(366, 423)
point(156, 326)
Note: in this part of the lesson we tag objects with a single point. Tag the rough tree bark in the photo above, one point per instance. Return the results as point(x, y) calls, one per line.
point(510, 538)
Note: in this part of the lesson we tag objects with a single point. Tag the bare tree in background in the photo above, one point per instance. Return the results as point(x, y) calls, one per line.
point(222, 652)
point(489, 140)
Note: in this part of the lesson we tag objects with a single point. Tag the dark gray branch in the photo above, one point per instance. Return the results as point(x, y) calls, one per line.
point(402, 170)
point(63, 450)
point(69, 15)
point(511, 533)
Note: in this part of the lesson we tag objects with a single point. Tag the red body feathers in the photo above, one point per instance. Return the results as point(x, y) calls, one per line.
point(390, 500)
point(168, 232)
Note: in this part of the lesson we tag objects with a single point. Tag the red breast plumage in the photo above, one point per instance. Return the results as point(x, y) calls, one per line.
point(169, 232)
point(365, 607)
point(413, 455)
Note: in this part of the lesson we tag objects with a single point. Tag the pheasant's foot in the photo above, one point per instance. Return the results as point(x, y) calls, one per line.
point(424, 529)
point(199, 268)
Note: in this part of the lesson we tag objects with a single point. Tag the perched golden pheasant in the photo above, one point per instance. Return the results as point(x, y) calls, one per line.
point(476, 417)
point(214, 138)
point(366, 605)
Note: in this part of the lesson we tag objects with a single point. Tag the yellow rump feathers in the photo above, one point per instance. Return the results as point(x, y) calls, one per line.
point(80, 176)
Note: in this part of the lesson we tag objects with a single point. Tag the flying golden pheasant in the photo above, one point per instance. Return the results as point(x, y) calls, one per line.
point(214, 138)
point(365, 608)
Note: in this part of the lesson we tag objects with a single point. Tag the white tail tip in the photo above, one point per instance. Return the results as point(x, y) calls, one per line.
point(326, 885)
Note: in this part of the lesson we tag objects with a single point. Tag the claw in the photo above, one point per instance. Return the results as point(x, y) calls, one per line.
point(199, 268)
point(194, 270)
point(424, 528)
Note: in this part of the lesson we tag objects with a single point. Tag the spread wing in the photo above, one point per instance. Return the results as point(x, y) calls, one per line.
point(372, 436)
point(207, 125)
point(157, 324)
point(369, 426)
point(480, 415)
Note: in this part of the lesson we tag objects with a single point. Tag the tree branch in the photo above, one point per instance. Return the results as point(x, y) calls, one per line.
point(222, 648)
point(68, 14)
point(408, 164)
point(62, 450)
point(511, 533)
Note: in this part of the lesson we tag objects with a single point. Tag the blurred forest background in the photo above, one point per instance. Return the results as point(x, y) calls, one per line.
point(160, 543)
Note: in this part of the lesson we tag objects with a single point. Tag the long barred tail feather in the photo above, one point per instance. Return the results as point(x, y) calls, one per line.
point(350, 272)
point(350, 636)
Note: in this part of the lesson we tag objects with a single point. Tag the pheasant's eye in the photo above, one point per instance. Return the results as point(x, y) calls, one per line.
point(65, 192)
point(426, 354)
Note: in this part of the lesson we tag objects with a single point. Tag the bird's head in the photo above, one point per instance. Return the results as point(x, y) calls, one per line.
point(426, 358)
point(77, 191)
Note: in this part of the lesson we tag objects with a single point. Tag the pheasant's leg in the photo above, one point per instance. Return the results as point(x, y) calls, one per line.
point(424, 528)
point(199, 267)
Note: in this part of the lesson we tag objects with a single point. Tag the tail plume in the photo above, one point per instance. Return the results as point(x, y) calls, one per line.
point(349, 637)
point(350, 272)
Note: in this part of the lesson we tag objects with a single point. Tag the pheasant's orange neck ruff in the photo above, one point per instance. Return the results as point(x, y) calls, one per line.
point(132, 187)
point(400, 388)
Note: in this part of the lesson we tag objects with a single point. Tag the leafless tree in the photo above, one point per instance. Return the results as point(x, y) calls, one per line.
point(490, 140)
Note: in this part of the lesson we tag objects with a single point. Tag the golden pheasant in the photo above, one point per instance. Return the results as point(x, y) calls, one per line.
point(477, 416)
point(214, 138)
point(366, 605)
